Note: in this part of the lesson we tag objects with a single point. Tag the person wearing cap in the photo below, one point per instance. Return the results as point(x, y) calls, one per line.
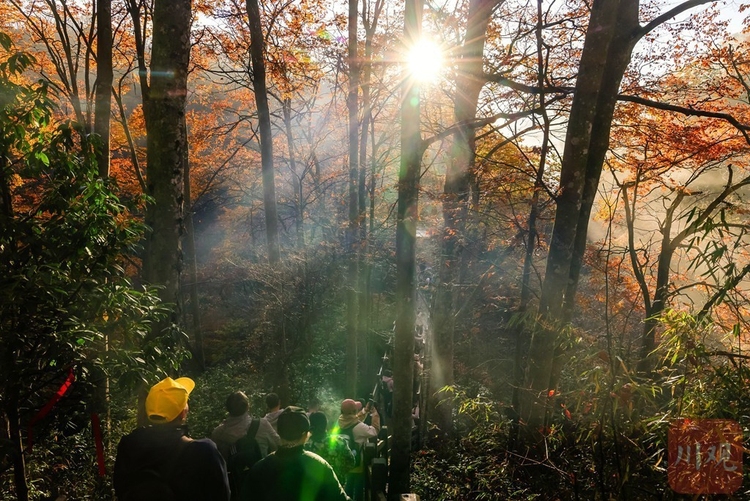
point(350, 418)
point(349, 423)
point(159, 460)
point(292, 473)
point(364, 412)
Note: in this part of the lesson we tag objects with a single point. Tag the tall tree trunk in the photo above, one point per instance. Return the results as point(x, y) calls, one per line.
point(166, 146)
point(6, 197)
point(363, 254)
point(257, 49)
point(286, 107)
point(373, 178)
point(192, 267)
point(352, 233)
point(534, 399)
point(456, 190)
point(123, 120)
point(19, 461)
point(591, 74)
point(320, 205)
point(618, 58)
point(612, 33)
point(139, 35)
point(281, 364)
point(531, 237)
point(257, 56)
point(102, 119)
point(103, 106)
point(522, 334)
point(406, 226)
point(370, 21)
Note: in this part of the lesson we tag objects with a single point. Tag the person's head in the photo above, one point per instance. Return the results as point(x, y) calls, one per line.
point(349, 407)
point(237, 404)
point(167, 401)
point(318, 424)
point(293, 426)
point(272, 402)
point(313, 406)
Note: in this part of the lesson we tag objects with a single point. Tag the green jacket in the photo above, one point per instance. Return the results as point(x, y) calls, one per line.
point(336, 452)
point(292, 474)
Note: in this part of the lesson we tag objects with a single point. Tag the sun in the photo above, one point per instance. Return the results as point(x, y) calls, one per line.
point(425, 61)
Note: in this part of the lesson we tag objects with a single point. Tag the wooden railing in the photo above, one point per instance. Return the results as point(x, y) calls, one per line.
point(375, 459)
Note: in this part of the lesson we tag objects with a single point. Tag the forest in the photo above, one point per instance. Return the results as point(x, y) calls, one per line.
point(531, 214)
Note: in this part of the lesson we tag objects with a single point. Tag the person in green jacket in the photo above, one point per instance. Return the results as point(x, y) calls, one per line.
point(292, 473)
point(333, 448)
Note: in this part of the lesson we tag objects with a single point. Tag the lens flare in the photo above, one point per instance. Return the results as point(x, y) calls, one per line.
point(425, 61)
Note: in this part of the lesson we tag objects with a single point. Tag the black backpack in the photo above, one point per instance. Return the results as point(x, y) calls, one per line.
point(348, 433)
point(243, 454)
point(153, 483)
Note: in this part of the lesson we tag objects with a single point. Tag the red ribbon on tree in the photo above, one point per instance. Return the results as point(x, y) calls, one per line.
point(48, 407)
point(96, 427)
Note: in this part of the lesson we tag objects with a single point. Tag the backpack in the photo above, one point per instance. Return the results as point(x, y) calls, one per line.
point(348, 435)
point(243, 454)
point(335, 450)
point(152, 483)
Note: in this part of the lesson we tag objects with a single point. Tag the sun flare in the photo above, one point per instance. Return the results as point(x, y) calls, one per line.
point(425, 61)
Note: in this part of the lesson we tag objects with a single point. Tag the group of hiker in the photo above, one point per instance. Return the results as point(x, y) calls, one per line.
point(288, 455)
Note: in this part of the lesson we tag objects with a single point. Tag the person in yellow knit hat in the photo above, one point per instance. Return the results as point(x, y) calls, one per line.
point(159, 462)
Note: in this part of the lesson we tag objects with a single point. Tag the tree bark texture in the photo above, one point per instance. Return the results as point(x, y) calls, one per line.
point(299, 213)
point(618, 57)
point(352, 231)
point(534, 209)
point(523, 340)
point(455, 202)
point(613, 31)
point(534, 399)
point(257, 57)
point(192, 269)
point(19, 461)
point(166, 145)
point(104, 76)
point(406, 227)
point(583, 114)
point(367, 368)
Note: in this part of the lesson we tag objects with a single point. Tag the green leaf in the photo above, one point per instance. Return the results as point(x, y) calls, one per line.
point(736, 330)
point(42, 157)
point(5, 41)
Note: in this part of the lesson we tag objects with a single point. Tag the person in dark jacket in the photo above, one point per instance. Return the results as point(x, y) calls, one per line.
point(292, 473)
point(160, 462)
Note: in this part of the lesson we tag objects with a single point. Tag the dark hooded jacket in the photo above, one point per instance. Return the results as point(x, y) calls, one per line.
point(292, 474)
point(194, 468)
